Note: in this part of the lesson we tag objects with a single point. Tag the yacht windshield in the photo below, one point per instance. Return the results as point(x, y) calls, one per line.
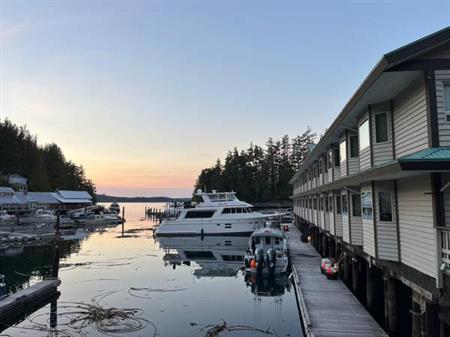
point(220, 197)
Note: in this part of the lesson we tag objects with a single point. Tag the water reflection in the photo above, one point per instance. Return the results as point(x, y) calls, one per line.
point(215, 255)
point(104, 266)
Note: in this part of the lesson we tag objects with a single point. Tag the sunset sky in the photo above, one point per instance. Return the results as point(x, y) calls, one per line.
point(144, 94)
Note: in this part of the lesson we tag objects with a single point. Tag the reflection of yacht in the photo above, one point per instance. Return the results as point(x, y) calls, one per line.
point(268, 286)
point(216, 255)
point(215, 214)
point(268, 252)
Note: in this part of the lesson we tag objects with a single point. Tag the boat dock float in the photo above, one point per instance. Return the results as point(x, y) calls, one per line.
point(327, 307)
point(20, 302)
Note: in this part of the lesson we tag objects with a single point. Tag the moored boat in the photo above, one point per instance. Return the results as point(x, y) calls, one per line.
point(267, 252)
point(216, 213)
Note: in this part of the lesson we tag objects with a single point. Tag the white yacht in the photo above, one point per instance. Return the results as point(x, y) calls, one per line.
point(216, 213)
point(39, 216)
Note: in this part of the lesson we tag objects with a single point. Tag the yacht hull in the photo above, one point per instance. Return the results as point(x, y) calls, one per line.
point(217, 227)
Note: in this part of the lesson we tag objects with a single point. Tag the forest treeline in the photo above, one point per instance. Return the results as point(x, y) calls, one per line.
point(45, 166)
point(259, 173)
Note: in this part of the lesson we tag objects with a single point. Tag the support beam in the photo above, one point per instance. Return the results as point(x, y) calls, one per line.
point(370, 288)
point(390, 305)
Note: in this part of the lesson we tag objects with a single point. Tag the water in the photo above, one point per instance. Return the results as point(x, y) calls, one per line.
point(181, 285)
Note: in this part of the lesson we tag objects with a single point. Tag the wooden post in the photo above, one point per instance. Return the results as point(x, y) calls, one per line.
point(370, 289)
point(355, 276)
point(390, 305)
point(123, 220)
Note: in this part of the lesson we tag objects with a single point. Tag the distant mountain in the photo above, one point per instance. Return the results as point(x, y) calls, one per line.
point(111, 198)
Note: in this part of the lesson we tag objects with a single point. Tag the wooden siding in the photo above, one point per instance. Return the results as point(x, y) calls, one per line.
point(355, 224)
point(446, 197)
point(368, 228)
point(387, 240)
point(442, 76)
point(332, 213)
point(382, 152)
point(346, 219)
point(411, 120)
point(364, 159)
point(417, 232)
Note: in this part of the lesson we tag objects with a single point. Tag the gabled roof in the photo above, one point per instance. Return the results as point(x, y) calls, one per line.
point(6, 189)
point(381, 83)
point(74, 194)
point(41, 197)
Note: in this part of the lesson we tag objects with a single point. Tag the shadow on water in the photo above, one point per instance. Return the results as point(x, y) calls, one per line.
point(189, 286)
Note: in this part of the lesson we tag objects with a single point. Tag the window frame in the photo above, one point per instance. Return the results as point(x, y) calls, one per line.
point(354, 147)
point(390, 205)
point(446, 108)
point(376, 128)
point(366, 124)
point(343, 154)
point(354, 197)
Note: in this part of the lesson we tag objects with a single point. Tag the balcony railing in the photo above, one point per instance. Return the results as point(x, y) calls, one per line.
point(445, 247)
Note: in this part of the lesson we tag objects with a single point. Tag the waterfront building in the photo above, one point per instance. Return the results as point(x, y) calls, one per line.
point(16, 181)
point(9, 201)
point(376, 189)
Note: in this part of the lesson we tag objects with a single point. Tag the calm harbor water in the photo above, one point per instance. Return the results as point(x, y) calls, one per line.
point(181, 286)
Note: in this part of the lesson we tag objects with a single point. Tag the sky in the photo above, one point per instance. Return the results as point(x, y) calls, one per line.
point(144, 94)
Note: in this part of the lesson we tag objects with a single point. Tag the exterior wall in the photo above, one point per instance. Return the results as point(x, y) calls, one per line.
point(346, 219)
point(368, 226)
point(446, 197)
point(387, 239)
point(337, 216)
point(417, 232)
point(326, 212)
point(382, 152)
point(410, 120)
point(353, 163)
point(442, 76)
point(356, 232)
point(331, 213)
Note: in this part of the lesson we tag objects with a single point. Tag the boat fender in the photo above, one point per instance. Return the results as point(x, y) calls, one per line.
point(253, 264)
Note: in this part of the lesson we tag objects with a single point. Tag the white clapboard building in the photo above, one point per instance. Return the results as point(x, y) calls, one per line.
point(376, 188)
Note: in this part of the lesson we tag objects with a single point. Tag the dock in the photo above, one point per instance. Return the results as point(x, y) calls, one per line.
point(327, 307)
point(22, 301)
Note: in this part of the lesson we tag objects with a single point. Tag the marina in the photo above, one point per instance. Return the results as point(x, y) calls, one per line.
point(197, 282)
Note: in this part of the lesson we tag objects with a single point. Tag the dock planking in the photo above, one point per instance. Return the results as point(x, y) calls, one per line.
point(328, 308)
point(23, 300)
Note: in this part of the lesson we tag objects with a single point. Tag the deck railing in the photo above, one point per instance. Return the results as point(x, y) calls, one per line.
point(445, 247)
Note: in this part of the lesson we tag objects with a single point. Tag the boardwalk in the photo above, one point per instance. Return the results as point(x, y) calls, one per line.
point(20, 302)
point(328, 307)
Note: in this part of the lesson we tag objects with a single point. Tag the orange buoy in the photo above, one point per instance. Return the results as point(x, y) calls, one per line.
point(253, 264)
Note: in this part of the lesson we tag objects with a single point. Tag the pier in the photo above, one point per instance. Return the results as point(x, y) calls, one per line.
point(328, 307)
point(22, 301)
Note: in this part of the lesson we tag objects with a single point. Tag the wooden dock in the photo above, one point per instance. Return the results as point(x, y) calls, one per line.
point(328, 308)
point(22, 301)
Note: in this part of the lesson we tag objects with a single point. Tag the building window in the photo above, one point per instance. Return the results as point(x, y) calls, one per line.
point(381, 128)
point(344, 204)
point(367, 205)
point(385, 206)
point(330, 204)
point(447, 101)
point(338, 204)
point(330, 159)
point(343, 151)
point(364, 135)
point(354, 147)
point(336, 158)
point(356, 204)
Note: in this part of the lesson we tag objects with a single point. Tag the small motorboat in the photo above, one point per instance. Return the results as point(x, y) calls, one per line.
point(114, 208)
point(7, 219)
point(268, 253)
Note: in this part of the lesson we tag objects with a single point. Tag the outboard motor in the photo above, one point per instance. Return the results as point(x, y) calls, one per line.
point(260, 259)
point(247, 261)
point(271, 260)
